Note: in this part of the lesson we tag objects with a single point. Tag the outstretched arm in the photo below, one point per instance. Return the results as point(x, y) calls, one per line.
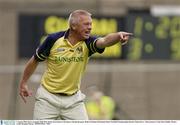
point(29, 69)
point(112, 39)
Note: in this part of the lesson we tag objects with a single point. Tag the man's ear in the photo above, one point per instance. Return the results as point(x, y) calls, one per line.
point(73, 27)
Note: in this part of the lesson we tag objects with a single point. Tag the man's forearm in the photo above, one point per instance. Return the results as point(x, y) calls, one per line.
point(29, 69)
point(112, 39)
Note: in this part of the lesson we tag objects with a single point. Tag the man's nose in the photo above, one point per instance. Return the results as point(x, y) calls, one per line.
point(89, 27)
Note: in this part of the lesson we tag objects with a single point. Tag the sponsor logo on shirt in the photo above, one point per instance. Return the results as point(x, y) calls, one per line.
point(68, 59)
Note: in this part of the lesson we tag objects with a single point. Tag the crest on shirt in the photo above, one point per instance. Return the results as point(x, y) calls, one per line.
point(79, 49)
point(60, 49)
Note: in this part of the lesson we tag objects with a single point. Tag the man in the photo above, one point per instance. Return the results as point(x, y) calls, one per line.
point(96, 102)
point(66, 54)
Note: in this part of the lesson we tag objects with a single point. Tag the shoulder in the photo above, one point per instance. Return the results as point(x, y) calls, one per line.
point(51, 39)
point(55, 36)
point(91, 39)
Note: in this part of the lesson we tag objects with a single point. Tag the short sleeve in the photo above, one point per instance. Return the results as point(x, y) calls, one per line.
point(42, 52)
point(91, 44)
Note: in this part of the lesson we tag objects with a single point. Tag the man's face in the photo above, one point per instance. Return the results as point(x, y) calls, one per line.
point(84, 26)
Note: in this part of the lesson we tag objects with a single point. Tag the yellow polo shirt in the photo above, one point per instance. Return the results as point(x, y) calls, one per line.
point(65, 62)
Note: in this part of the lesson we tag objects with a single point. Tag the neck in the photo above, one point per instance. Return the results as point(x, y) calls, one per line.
point(73, 37)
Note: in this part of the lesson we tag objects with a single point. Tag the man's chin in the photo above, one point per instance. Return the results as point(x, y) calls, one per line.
point(86, 36)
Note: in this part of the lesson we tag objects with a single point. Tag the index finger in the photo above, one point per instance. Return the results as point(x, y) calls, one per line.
point(128, 34)
point(23, 98)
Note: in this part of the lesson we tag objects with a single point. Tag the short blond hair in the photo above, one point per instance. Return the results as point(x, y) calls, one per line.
point(74, 16)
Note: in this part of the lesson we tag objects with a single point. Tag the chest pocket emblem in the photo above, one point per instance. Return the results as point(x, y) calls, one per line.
point(79, 50)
